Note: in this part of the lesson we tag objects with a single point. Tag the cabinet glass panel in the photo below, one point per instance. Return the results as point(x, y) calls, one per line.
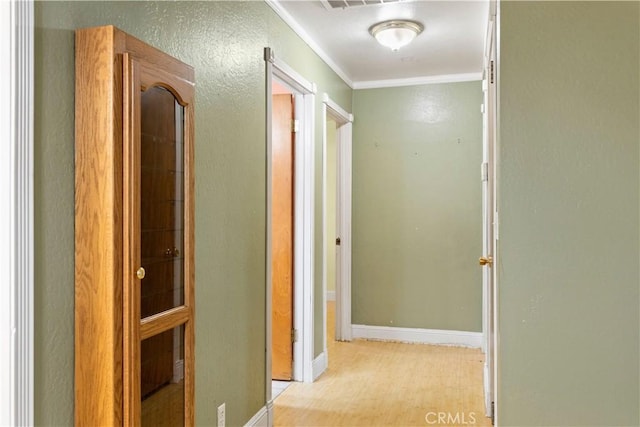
point(162, 201)
point(162, 379)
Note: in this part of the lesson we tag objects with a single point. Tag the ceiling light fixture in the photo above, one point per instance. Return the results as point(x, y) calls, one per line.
point(396, 33)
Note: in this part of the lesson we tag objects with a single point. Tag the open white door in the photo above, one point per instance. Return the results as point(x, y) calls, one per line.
point(343, 229)
point(488, 218)
point(342, 240)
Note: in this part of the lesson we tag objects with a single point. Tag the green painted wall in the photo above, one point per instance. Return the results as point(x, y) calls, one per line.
point(224, 42)
point(568, 199)
point(417, 217)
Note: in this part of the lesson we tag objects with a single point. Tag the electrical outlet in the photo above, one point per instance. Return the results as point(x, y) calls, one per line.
point(221, 415)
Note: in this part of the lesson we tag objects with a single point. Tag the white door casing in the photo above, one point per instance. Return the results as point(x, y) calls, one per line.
point(487, 251)
point(489, 215)
point(16, 234)
point(343, 217)
point(304, 166)
point(304, 215)
point(494, 123)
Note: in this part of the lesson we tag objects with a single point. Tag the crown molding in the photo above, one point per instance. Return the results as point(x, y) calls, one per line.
point(414, 81)
point(365, 84)
point(297, 28)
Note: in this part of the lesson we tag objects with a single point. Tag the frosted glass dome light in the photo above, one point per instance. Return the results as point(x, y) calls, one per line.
point(395, 33)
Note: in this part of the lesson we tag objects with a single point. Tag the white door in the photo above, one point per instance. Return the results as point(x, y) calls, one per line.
point(342, 239)
point(343, 231)
point(488, 219)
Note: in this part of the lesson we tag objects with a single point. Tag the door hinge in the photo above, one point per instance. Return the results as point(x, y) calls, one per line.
point(484, 172)
point(295, 124)
point(493, 413)
point(491, 72)
point(338, 241)
point(294, 335)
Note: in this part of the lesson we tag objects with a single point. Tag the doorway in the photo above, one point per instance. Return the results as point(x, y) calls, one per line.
point(287, 86)
point(282, 220)
point(337, 125)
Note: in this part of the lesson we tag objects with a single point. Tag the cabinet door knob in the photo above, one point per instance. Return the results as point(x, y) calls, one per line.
point(172, 252)
point(140, 273)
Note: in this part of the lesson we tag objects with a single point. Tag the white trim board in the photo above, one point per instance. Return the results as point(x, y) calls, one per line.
point(17, 235)
point(365, 84)
point(336, 111)
point(320, 365)
point(297, 28)
point(415, 81)
point(418, 336)
point(304, 218)
point(261, 418)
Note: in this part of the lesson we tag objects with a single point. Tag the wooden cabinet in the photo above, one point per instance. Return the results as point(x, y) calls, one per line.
point(134, 233)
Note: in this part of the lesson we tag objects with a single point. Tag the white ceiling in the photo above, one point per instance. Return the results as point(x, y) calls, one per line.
point(452, 42)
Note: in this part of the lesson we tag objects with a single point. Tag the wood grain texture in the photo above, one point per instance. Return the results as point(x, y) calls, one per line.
point(189, 258)
point(164, 408)
point(175, 78)
point(164, 321)
point(131, 235)
point(161, 228)
point(98, 233)
point(371, 383)
point(108, 326)
point(282, 240)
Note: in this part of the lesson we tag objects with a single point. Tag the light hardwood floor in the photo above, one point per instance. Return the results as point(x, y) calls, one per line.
point(372, 383)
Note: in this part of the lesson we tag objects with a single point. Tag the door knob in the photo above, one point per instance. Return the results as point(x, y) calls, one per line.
point(140, 273)
point(488, 260)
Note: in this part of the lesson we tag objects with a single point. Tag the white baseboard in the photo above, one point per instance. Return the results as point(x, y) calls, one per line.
point(260, 419)
point(331, 295)
point(320, 364)
point(418, 336)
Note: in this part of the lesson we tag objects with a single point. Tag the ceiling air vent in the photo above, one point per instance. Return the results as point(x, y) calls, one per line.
point(344, 4)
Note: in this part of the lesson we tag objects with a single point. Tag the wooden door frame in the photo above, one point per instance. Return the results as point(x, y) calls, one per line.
point(304, 206)
point(16, 359)
point(343, 218)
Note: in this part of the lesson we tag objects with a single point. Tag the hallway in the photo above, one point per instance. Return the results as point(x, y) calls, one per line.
point(372, 383)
